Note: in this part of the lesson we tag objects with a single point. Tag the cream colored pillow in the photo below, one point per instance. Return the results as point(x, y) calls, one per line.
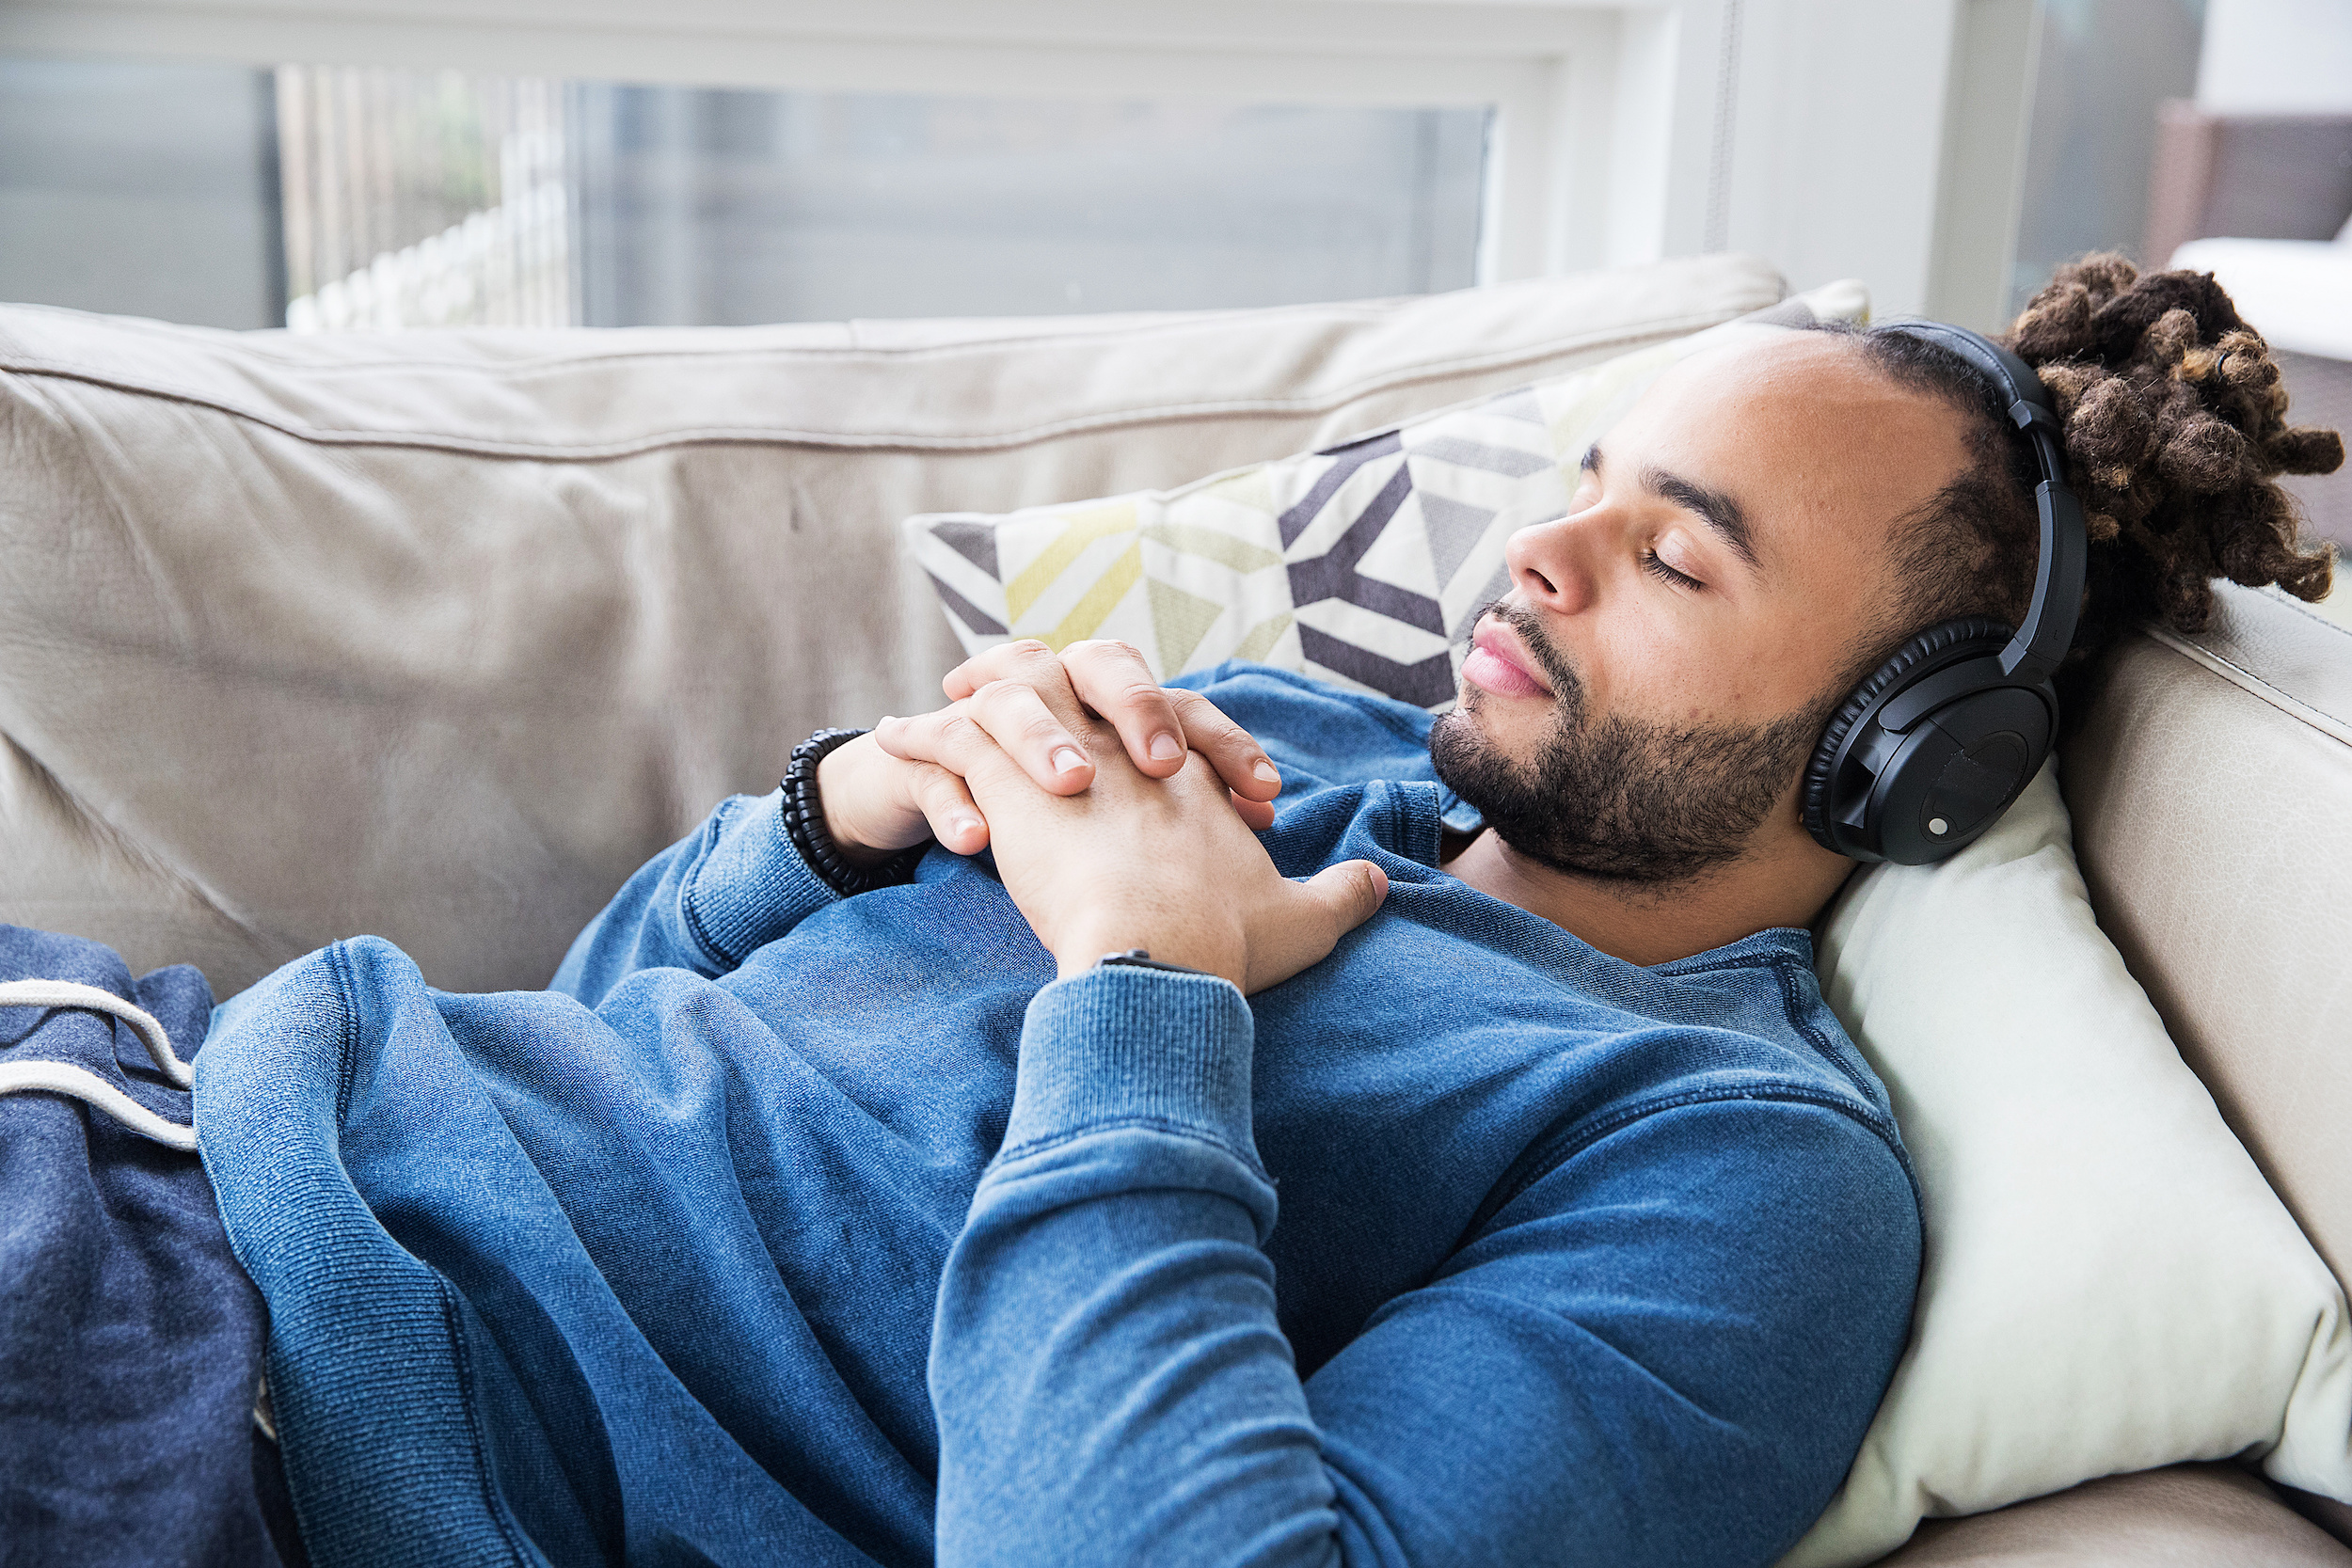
point(2108, 1285)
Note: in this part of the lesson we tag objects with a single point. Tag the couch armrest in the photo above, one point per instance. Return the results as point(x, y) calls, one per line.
point(2211, 785)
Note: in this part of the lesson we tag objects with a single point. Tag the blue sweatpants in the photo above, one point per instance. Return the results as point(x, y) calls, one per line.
point(130, 1339)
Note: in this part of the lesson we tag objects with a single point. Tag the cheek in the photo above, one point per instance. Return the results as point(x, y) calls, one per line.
point(1725, 669)
point(1690, 669)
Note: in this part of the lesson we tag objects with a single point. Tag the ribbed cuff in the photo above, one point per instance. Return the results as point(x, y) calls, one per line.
point(1121, 1046)
point(752, 885)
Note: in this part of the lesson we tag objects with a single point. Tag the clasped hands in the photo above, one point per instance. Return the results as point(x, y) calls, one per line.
point(1122, 815)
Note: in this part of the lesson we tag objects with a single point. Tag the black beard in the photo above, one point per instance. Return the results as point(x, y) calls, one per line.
point(1614, 798)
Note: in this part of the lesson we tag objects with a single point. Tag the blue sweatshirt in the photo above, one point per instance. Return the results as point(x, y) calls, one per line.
point(788, 1228)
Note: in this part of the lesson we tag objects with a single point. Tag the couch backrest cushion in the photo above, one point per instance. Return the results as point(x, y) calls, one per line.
point(439, 636)
point(2211, 787)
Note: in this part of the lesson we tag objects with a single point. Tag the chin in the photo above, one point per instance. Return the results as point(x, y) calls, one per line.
point(1470, 759)
point(1464, 720)
point(1479, 712)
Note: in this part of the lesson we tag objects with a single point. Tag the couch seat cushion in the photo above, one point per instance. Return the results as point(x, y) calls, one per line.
point(2185, 1517)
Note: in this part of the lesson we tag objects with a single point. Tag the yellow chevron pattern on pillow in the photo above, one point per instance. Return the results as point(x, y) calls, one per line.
point(1364, 562)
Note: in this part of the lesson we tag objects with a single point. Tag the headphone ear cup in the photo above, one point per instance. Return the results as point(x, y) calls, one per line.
point(1932, 648)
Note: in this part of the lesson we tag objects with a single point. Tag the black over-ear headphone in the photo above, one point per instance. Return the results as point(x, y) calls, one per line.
point(1927, 753)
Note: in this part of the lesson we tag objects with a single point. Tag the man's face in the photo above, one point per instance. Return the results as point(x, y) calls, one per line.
point(1640, 706)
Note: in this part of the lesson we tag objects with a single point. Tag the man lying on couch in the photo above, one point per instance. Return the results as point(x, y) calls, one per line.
point(844, 1202)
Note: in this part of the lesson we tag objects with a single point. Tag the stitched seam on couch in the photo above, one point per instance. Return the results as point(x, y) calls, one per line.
point(2245, 680)
point(896, 441)
point(1340, 310)
point(2337, 627)
point(878, 355)
point(1344, 311)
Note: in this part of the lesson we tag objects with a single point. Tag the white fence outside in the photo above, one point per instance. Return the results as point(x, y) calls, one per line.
point(510, 266)
point(424, 198)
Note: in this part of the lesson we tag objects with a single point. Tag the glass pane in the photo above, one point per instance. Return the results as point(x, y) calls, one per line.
point(2105, 66)
point(360, 199)
point(142, 190)
point(702, 206)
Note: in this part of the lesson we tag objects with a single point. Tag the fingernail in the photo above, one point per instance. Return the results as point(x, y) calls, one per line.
point(964, 827)
point(1265, 770)
point(1166, 747)
point(1069, 759)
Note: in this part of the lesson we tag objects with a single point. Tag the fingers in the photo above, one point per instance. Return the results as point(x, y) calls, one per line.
point(1158, 725)
point(1015, 719)
point(946, 806)
point(1347, 894)
point(1037, 707)
point(1232, 751)
point(956, 741)
point(1113, 680)
point(1258, 814)
point(1028, 662)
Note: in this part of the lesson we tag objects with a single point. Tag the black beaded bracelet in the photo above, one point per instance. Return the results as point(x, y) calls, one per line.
point(804, 824)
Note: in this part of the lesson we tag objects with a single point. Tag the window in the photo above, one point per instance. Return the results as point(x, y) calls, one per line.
point(373, 199)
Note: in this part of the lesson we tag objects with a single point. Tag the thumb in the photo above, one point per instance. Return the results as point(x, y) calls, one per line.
point(1302, 927)
point(1348, 894)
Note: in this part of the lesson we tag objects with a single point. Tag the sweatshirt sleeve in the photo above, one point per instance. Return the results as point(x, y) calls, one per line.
point(1651, 1355)
point(704, 904)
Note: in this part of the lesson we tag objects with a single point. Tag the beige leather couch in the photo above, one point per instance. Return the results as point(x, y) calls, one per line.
point(439, 637)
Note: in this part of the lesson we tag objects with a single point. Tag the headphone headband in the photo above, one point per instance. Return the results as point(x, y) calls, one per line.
point(2048, 629)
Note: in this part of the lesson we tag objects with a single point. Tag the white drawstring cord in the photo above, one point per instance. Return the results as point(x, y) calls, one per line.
point(66, 1078)
point(79, 1083)
point(65, 993)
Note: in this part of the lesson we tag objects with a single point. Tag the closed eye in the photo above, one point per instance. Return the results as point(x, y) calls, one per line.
point(1663, 573)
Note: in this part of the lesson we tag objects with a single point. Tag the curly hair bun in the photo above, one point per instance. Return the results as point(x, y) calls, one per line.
point(2175, 429)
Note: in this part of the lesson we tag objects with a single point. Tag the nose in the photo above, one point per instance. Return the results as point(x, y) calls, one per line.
point(1552, 563)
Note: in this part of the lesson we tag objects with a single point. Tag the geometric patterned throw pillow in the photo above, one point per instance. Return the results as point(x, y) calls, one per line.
point(1363, 564)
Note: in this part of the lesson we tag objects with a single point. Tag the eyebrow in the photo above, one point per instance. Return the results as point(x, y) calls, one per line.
point(1712, 507)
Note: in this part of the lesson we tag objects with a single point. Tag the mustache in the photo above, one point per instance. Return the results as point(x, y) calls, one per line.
point(1558, 673)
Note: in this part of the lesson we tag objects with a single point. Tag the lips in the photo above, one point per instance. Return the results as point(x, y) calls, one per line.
point(1498, 662)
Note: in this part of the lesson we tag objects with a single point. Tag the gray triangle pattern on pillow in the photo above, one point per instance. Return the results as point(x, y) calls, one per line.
point(1429, 481)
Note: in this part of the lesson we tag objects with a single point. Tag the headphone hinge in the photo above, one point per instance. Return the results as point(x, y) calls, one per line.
point(1915, 701)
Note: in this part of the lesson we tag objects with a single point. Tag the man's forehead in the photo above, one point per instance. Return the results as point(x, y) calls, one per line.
point(1799, 429)
point(1814, 400)
point(1783, 359)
